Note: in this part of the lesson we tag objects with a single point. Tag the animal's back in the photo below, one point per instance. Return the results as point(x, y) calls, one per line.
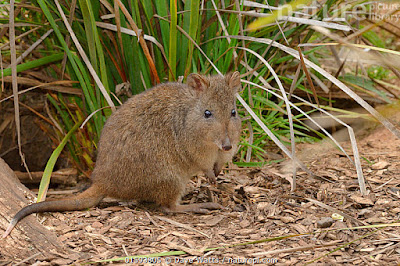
point(137, 149)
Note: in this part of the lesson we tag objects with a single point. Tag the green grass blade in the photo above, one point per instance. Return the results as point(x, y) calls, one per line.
point(44, 183)
point(97, 54)
point(284, 11)
point(173, 39)
point(89, 31)
point(193, 29)
point(162, 10)
point(184, 22)
point(35, 63)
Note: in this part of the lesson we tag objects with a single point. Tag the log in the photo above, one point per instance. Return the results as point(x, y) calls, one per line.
point(65, 176)
point(29, 239)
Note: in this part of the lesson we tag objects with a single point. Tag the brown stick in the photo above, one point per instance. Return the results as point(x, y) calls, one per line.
point(64, 176)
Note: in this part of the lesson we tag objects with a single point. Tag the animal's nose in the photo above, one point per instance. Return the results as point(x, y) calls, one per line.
point(226, 143)
point(227, 147)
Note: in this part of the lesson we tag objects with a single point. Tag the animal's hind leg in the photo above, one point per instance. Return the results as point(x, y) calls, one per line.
point(169, 197)
point(171, 205)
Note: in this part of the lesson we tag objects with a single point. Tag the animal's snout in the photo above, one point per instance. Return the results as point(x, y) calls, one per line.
point(226, 144)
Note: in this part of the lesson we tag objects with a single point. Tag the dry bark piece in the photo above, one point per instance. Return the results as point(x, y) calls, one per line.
point(362, 200)
point(380, 165)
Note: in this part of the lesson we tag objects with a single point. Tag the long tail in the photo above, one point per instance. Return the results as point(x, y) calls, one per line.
point(89, 198)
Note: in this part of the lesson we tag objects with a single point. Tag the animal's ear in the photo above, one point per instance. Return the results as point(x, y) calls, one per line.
point(197, 82)
point(233, 80)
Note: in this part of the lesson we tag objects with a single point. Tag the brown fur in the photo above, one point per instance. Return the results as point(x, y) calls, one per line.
point(158, 140)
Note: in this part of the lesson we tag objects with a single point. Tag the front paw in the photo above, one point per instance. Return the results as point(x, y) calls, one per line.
point(212, 179)
point(217, 169)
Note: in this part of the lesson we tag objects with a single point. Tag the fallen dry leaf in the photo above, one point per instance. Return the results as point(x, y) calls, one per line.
point(362, 199)
point(380, 165)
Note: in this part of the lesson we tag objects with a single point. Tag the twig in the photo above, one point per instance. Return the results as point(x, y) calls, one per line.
point(190, 251)
point(15, 83)
point(152, 220)
point(333, 210)
point(68, 38)
point(384, 184)
point(385, 250)
point(33, 46)
point(125, 251)
point(301, 248)
point(27, 259)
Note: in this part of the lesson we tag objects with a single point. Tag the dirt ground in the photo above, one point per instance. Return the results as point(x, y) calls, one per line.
point(258, 206)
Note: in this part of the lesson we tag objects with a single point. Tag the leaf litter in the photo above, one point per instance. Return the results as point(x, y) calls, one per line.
point(258, 205)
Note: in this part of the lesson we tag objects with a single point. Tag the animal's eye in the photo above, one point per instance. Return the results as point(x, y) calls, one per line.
point(207, 114)
point(233, 113)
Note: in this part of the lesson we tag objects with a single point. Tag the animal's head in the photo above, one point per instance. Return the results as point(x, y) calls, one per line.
point(214, 117)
